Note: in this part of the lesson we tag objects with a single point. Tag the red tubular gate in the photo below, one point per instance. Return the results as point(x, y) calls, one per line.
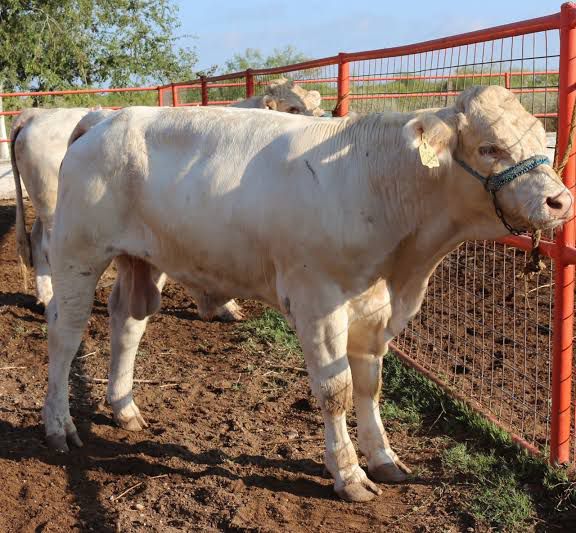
point(501, 344)
point(563, 271)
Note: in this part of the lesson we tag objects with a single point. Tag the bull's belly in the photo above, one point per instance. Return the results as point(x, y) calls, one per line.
point(224, 267)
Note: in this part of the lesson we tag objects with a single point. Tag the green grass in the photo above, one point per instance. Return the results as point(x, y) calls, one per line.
point(497, 496)
point(406, 415)
point(504, 487)
point(271, 329)
point(500, 485)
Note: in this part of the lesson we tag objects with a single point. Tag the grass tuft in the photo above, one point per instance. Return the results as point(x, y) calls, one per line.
point(272, 329)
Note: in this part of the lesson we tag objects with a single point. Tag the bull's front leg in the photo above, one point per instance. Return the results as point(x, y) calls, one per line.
point(383, 463)
point(323, 336)
point(368, 336)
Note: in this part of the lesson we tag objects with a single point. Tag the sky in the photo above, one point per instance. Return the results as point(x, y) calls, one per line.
point(324, 28)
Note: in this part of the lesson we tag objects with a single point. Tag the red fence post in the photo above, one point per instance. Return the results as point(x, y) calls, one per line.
point(160, 97)
point(249, 83)
point(563, 272)
point(507, 83)
point(204, 90)
point(342, 104)
point(174, 95)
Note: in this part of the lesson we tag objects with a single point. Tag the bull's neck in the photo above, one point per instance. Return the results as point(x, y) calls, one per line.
point(423, 213)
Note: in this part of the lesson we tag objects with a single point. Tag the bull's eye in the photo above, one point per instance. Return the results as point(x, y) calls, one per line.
point(489, 150)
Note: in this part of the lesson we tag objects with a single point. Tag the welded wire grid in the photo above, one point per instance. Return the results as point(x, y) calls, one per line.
point(487, 332)
point(166, 96)
point(322, 79)
point(483, 330)
point(189, 94)
point(225, 92)
point(528, 65)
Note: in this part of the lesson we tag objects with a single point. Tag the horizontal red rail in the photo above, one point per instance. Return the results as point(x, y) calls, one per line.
point(547, 248)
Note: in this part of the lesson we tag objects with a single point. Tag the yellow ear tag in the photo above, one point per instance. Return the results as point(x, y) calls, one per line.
point(428, 155)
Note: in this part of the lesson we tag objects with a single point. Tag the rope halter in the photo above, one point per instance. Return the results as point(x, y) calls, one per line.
point(494, 183)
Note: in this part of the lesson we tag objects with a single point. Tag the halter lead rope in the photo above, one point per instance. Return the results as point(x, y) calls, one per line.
point(494, 183)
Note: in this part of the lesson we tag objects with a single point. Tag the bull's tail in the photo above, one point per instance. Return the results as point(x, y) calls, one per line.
point(23, 245)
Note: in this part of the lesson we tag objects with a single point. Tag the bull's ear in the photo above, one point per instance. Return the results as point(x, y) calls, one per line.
point(269, 102)
point(313, 99)
point(274, 84)
point(440, 134)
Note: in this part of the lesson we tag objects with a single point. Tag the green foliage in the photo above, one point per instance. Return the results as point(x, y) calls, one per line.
point(501, 480)
point(254, 59)
point(497, 496)
point(58, 44)
point(406, 415)
point(271, 328)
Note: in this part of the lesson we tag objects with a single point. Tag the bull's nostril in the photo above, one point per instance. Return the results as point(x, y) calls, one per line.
point(554, 203)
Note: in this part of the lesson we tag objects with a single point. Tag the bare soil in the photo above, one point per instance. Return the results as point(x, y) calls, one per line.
point(234, 441)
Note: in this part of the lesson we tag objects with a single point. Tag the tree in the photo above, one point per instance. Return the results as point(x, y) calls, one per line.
point(253, 58)
point(54, 44)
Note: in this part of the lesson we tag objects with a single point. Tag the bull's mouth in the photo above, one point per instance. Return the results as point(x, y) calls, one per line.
point(550, 223)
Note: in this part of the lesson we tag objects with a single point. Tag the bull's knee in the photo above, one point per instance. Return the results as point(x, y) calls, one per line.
point(335, 393)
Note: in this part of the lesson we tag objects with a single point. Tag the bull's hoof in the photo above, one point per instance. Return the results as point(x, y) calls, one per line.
point(390, 472)
point(130, 418)
point(358, 492)
point(135, 423)
point(59, 442)
point(230, 314)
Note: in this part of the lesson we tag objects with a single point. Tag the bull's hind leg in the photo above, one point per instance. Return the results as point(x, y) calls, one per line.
point(39, 242)
point(68, 313)
point(322, 327)
point(126, 332)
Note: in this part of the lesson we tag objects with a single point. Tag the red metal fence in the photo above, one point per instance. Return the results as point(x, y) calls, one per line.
point(498, 342)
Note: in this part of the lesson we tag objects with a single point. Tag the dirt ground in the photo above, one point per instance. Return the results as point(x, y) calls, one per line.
point(234, 441)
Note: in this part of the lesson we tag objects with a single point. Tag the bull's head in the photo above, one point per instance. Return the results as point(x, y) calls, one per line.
point(283, 95)
point(494, 152)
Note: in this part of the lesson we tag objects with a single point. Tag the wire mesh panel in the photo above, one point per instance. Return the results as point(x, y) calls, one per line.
point(486, 331)
point(165, 96)
point(226, 91)
point(189, 94)
point(527, 64)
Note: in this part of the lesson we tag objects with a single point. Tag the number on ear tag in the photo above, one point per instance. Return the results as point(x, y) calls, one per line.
point(428, 155)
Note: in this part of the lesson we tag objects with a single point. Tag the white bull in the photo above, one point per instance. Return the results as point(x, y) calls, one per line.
point(40, 138)
point(338, 224)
